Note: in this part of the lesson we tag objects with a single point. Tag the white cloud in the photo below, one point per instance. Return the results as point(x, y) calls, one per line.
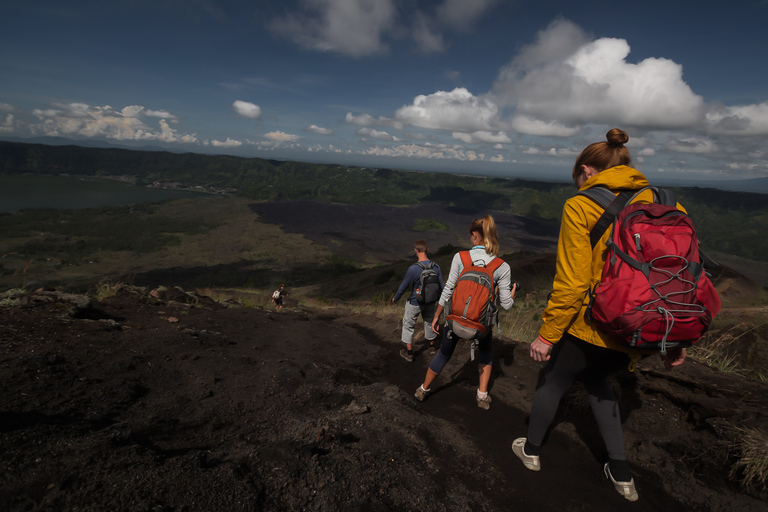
point(6, 107)
point(482, 136)
point(6, 125)
point(317, 129)
point(350, 27)
point(532, 126)
point(738, 119)
point(80, 119)
point(462, 14)
point(427, 36)
point(457, 110)
point(229, 143)
point(647, 152)
point(369, 120)
point(279, 136)
point(565, 80)
point(692, 145)
point(363, 27)
point(435, 152)
point(159, 113)
point(247, 109)
point(375, 134)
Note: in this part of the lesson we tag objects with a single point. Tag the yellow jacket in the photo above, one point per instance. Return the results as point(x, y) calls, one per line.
point(579, 267)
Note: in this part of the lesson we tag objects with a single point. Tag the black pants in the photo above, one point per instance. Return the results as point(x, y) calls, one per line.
point(574, 359)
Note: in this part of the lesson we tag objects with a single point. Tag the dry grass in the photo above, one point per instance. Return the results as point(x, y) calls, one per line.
point(752, 466)
point(717, 353)
point(523, 321)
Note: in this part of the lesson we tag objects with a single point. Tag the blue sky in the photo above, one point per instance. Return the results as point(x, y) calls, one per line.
point(493, 87)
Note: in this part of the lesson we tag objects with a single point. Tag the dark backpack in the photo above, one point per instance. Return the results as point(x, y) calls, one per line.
point(472, 311)
point(654, 293)
point(428, 290)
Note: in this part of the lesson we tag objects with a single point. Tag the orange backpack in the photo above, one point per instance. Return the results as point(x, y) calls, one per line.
point(472, 311)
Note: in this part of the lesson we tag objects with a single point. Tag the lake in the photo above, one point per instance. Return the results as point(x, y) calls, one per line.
point(76, 192)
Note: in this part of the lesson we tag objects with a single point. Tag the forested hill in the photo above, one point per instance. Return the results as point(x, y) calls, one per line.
point(729, 222)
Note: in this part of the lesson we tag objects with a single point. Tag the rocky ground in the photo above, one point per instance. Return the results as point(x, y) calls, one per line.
point(168, 401)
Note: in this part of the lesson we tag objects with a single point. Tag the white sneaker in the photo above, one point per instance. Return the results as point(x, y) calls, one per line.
point(530, 461)
point(421, 394)
point(626, 489)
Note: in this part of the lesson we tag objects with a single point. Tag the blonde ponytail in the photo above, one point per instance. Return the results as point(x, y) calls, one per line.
point(486, 228)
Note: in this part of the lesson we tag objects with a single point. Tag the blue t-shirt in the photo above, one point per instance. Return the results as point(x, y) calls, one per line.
point(412, 279)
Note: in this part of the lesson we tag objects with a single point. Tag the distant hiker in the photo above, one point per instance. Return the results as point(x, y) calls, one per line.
point(568, 340)
point(475, 277)
point(277, 297)
point(426, 283)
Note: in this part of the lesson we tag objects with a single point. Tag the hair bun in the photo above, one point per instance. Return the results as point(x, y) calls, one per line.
point(617, 137)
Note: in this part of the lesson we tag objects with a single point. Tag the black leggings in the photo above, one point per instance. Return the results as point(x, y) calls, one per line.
point(573, 359)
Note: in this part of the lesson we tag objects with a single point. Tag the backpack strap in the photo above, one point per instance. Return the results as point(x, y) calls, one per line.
point(494, 264)
point(613, 205)
point(466, 260)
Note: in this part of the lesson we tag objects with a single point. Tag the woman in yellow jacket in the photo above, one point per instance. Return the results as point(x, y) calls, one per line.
point(572, 346)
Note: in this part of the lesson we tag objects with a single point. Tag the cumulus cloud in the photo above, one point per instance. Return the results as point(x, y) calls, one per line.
point(376, 134)
point(229, 143)
point(6, 125)
point(692, 145)
point(738, 119)
point(533, 126)
point(428, 38)
point(317, 129)
point(482, 136)
point(279, 136)
point(80, 119)
point(363, 27)
point(369, 120)
point(566, 79)
point(457, 110)
point(350, 27)
point(437, 152)
point(159, 113)
point(463, 14)
point(247, 109)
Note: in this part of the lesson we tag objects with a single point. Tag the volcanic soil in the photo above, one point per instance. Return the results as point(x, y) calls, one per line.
point(169, 401)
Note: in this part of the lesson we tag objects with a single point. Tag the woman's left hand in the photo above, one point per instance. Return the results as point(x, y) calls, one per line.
point(540, 350)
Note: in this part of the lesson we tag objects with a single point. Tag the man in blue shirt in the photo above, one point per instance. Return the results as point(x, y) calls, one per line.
point(421, 301)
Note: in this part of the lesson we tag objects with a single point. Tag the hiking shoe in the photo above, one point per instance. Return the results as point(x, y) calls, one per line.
point(530, 461)
point(626, 489)
point(484, 403)
point(405, 355)
point(432, 349)
point(421, 394)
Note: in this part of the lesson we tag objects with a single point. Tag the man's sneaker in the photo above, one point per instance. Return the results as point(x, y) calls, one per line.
point(405, 355)
point(421, 394)
point(626, 489)
point(484, 403)
point(530, 461)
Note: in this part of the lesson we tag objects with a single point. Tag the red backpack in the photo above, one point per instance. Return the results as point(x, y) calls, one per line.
point(654, 293)
point(472, 310)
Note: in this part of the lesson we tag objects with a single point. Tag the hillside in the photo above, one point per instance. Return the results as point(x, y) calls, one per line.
point(166, 400)
point(715, 212)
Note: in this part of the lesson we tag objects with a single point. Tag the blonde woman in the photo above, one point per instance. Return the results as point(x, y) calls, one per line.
point(485, 247)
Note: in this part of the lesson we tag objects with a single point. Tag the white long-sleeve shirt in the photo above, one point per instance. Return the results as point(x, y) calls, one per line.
point(501, 277)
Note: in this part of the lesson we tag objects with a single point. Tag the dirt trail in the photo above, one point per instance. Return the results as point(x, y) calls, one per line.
point(175, 403)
